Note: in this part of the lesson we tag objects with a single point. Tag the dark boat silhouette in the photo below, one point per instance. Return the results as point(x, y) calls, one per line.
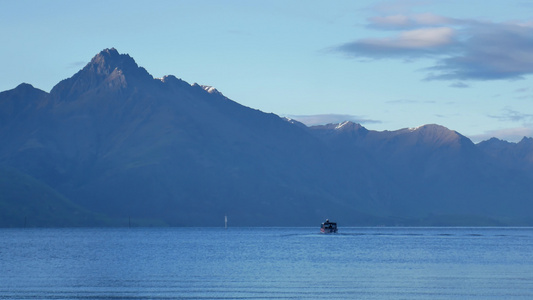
point(328, 227)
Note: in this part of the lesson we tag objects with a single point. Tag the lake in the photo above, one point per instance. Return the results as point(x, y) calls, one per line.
point(266, 263)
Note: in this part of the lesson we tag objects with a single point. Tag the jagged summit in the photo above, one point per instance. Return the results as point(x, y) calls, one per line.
point(348, 126)
point(111, 51)
point(343, 126)
point(211, 90)
point(173, 81)
point(109, 60)
point(526, 141)
point(109, 70)
point(170, 79)
point(494, 142)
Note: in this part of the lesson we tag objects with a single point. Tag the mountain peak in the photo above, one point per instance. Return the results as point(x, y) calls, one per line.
point(431, 127)
point(108, 69)
point(526, 141)
point(434, 130)
point(436, 134)
point(494, 141)
point(105, 62)
point(348, 126)
point(24, 86)
point(343, 126)
point(110, 51)
point(25, 89)
point(211, 90)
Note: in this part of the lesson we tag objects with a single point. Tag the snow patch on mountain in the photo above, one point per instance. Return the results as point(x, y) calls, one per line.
point(340, 125)
point(210, 89)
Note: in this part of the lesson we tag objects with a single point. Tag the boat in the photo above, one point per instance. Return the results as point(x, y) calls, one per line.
point(328, 227)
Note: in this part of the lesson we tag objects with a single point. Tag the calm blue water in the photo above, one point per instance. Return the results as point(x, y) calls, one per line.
point(266, 263)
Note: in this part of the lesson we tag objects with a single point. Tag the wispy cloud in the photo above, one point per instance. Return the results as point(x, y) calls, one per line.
point(514, 134)
point(513, 116)
point(460, 85)
point(523, 93)
point(462, 49)
point(402, 101)
point(410, 101)
point(522, 90)
point(311, 120)
point(77, 64)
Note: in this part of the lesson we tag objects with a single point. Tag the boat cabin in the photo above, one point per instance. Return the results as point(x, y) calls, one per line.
point(328, 227)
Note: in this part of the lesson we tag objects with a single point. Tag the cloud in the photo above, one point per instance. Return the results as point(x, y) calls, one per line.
point(510, 115)
point(493, 51)
point(398, 5)
point(461, 49)
point(77, 64)
point(514, 134)
point(311, 120)
point(460, 85)
point(409, 101)
point(523, 93)
point(407, 44)
point(402, 101)
point(522, 90)
point(395, 22)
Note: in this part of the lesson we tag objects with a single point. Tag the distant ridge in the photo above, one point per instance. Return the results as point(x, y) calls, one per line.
point(115, 144)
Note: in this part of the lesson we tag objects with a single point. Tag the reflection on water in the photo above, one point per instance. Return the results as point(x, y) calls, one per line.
point(266, 263)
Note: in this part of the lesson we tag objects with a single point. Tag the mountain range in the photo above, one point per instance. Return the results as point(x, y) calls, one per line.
point(113, 146)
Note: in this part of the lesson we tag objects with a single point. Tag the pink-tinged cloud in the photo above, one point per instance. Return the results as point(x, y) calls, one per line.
point(408, 43)
point(413, 39)
point(424, 38)
point(409, 21)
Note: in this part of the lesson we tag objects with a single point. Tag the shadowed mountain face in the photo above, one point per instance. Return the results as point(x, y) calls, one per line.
point(115, 141)
point(518, 156)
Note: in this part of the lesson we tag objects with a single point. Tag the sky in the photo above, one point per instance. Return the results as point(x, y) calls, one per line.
point(388, 65)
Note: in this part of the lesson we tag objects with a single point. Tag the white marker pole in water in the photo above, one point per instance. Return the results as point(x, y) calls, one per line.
point(226, 222)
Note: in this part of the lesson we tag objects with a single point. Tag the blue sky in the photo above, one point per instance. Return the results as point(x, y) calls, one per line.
point(466, 65)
